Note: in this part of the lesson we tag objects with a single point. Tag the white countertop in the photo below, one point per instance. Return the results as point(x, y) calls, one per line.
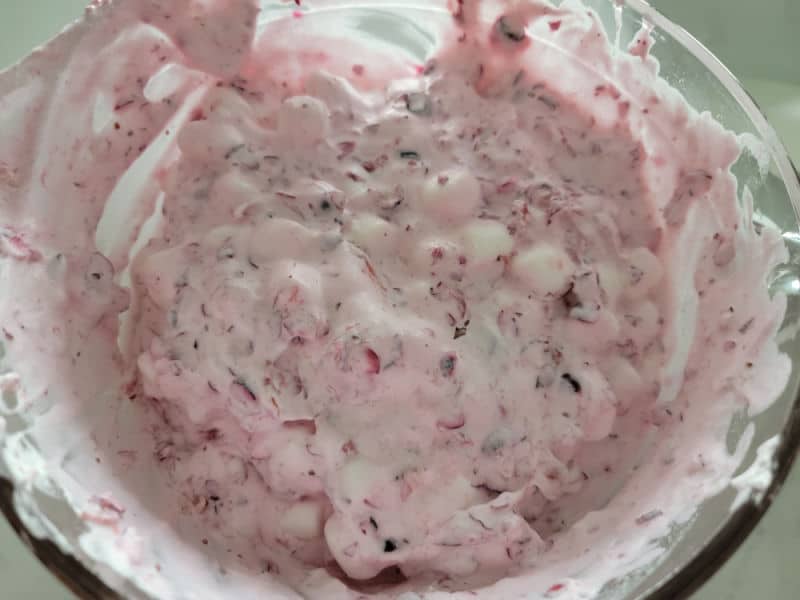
point(765, 566)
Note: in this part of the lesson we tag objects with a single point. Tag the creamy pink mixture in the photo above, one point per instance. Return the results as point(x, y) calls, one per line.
point(398, 321)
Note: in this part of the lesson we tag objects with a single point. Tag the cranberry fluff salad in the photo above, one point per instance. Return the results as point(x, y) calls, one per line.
point(291, 313)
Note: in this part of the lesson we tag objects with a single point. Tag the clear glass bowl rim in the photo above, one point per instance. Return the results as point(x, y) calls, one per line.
point(683, 581)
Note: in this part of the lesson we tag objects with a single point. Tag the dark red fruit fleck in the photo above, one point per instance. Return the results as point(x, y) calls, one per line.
point(506, 187)
point(346, 148)
point(373, 361)
point(248, 392)
point(646, 518)
point(308, 425)
point(451, 423)
point(555, 25)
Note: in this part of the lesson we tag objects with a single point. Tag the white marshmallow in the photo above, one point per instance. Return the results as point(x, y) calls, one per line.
point(357, 478)
point(453, 196)
point(159, 272)
point(304, 520)
point(369, 231)
point(209, 141)
point(234, 190)
point(485, 240)
point(168, 81)
point(278, 238)
point(336, 92)
point(641, 323)
point(303, 120)
point(545, 269)
point(612, 282)
point(624, 380)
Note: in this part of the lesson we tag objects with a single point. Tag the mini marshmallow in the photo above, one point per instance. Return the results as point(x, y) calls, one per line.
point(209, 141)
point(357, 478)
point(303, 520)
point(612, 281)
point(278, 238)
point(303, 120)
point(368, 231)
point(486, 240)
point(451, 196)
point(545, 269)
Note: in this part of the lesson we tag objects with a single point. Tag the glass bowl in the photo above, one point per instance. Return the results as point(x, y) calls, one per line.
point(721, 524)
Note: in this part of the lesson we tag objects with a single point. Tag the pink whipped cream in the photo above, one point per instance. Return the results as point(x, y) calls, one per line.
point(391, 326)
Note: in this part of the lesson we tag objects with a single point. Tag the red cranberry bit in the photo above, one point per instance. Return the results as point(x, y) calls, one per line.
point(108, 504)
point(346, 148)
point(451, 423)
point(243, 387)
point(373, 361)
point(212, 435)
point(20, 248)
point(308, 425)
point(647, 517)
point(507, 187)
